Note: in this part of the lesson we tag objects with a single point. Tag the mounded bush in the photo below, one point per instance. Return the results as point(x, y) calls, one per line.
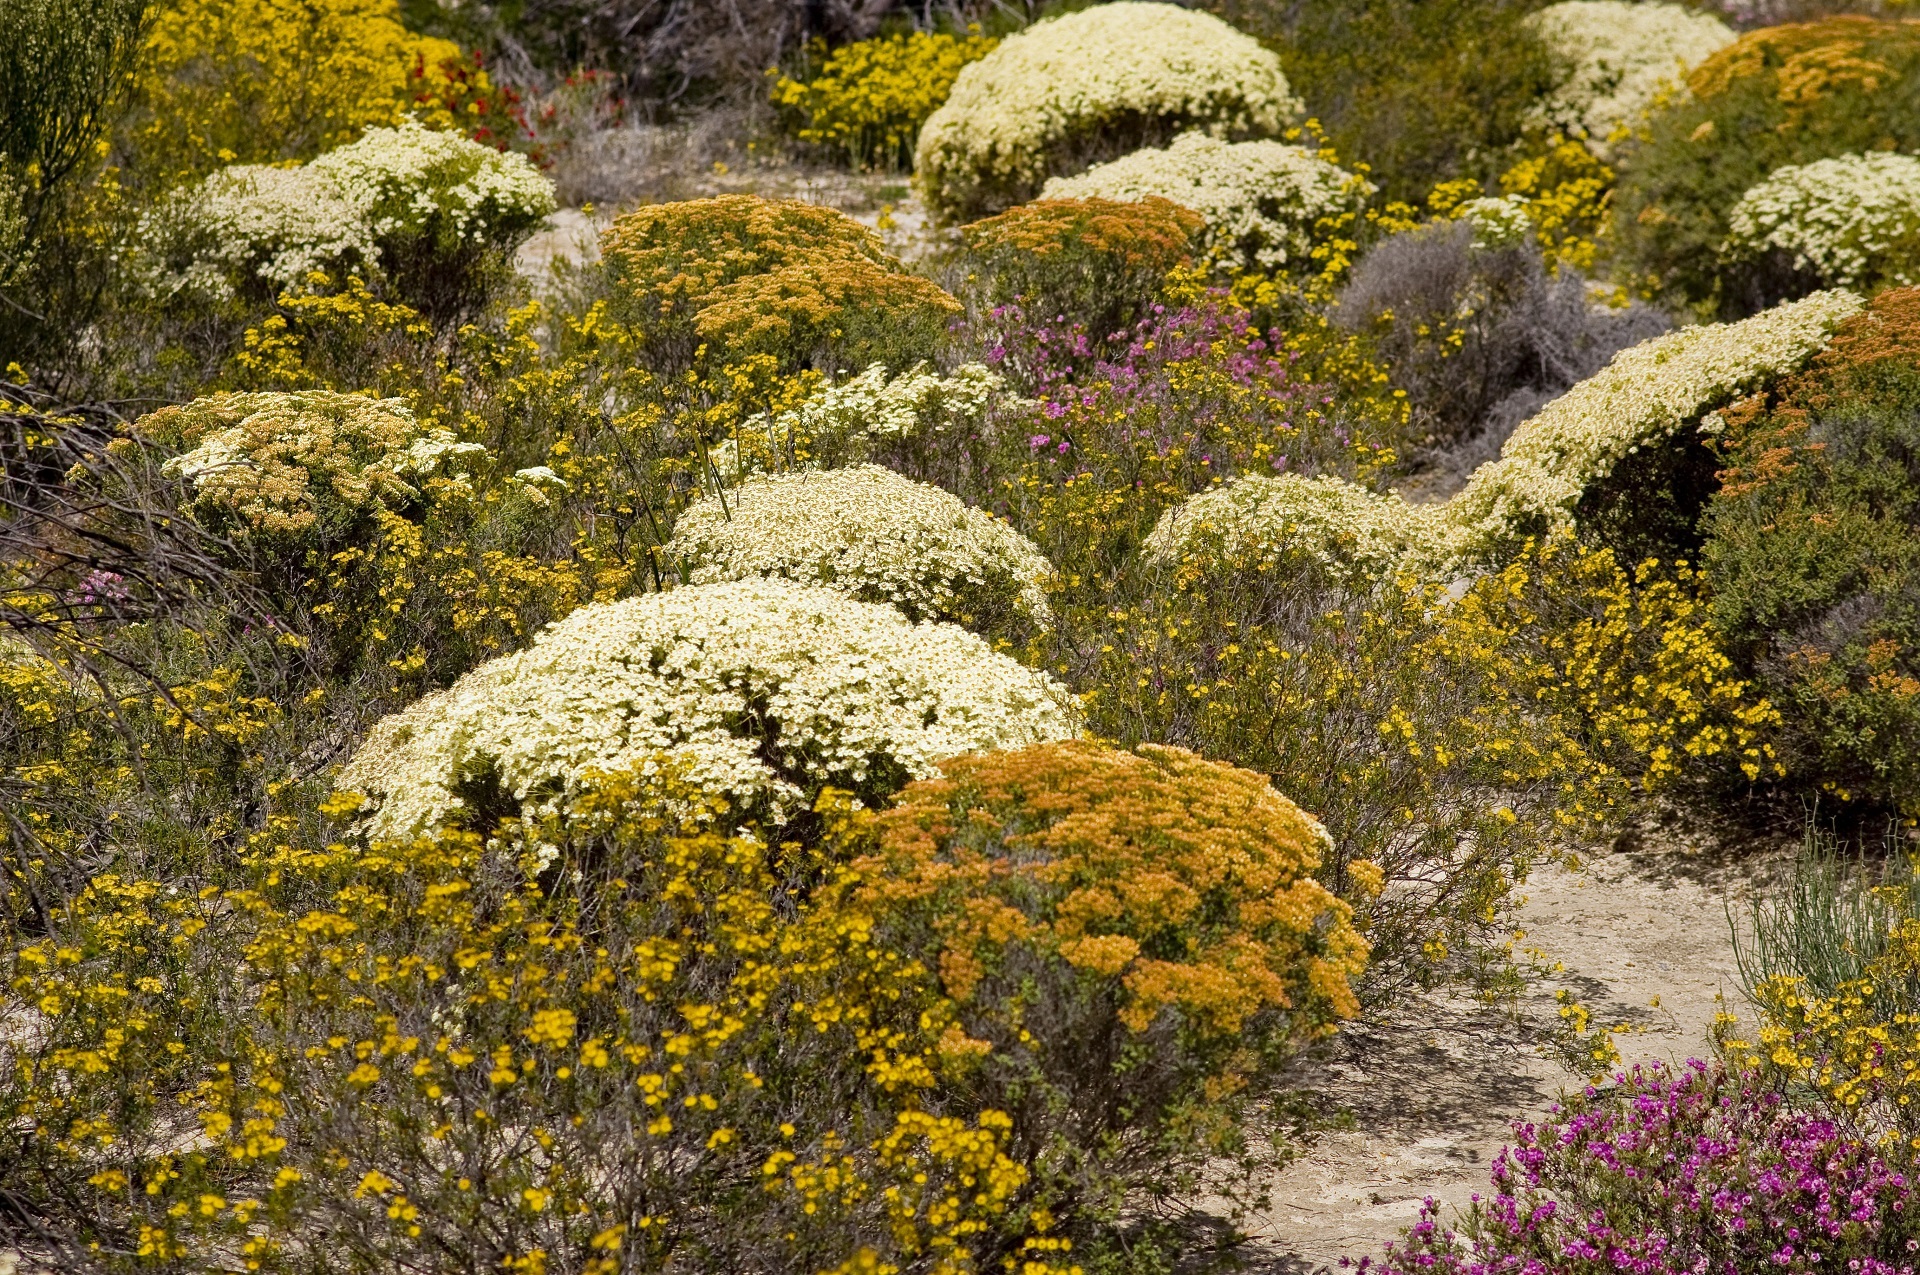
point(1091, 86)
point(1474, 329)
point(874, 535)
point(1622, 59)
point(760, 691)
point(1699, 1169)
point(1814, 555)
point(806, 284)
point(1263, 201)
point(437, 214)
point(1850, 222)
point(1779, 96)
point(1100, 260)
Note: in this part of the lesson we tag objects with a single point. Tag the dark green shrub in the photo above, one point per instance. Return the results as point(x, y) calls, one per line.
point(1782, 95)
point(1814, 553)
point(1421, 91)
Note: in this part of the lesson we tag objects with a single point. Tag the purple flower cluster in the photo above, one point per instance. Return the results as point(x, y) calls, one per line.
point(1665, 1173)
point(1196, 381)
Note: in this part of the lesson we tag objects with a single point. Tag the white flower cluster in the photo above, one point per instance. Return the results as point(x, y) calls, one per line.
point(871, 533)
point(281, 224)
point(281, 462)
point(844, 420)
point(414, 181)
point(1261, 200)
point(1623, 58)
point(758, 690)
point(1016, 116)
point(1853, 220)
point(1345, 530)
point(1641, 399)
point(1498, 221)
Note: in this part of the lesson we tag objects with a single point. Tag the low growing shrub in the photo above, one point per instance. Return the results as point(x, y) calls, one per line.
point(1103, 261)
point(1849, 222)
point(1089, 86)
point(1266, 204)
point(874, 535)
point(1669, 1172)
point(1622, 60)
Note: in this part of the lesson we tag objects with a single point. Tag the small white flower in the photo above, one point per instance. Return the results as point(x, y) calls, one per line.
point(1624, 59)
point(1853, 220)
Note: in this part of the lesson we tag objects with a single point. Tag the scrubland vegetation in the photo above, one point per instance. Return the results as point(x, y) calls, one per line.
point(751, 750)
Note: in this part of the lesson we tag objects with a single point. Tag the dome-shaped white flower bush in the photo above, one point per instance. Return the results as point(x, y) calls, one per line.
point(841, 422)
point(255, 222)
point(873, 534)
point(1622, 57)
point(1261, 199)
point(1853, 221)
point(760, 691)
point(304, 461)
point(408, 198)
point(1343, 530)
point(1090, 85)
point(413, 183)
point(1641, 399)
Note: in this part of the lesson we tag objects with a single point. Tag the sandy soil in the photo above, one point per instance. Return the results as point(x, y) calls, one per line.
point(1641, 936)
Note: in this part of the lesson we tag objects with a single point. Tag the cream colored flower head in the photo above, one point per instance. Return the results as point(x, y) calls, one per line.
point(761, 691)
point(1623, 60)
point(293, 463)
point(1025, 111)
point(1261, 199)
point(872, 534)
point(1854, 221)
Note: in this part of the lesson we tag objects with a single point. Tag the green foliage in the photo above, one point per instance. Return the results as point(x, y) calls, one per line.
point(1419, 92)
point(1813, 555)
point(1101, 261)
point(63, 77)
point(1781, 95)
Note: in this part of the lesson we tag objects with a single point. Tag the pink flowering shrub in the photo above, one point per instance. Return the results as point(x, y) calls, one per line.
point(1664, 1172)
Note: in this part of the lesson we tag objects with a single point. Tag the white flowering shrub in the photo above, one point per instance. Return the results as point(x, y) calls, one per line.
point(1498, 221)
point(1340, 529)
point(1092, 85)
point(419, 185)
point(1641, 399)
point(251, 226)
point(844, 422)
point(1622, 58)
point(1852, 221)
point(1261, 200)
point(311, 461)
point(761, 691)
point(873, 534)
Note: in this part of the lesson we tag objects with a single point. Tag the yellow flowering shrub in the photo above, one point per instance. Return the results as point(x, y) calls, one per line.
point(869, 98)
point(254, 81)
point(687, 1046)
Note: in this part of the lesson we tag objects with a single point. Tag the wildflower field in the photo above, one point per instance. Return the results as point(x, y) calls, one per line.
point(758, 636)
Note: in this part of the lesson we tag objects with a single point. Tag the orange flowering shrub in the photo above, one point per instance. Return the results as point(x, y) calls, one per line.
point(1812, 555)
point(1098, 260)
point(1128, 941)
point(806, 284)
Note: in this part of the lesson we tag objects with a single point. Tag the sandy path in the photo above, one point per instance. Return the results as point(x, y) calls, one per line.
point(1642, 938)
